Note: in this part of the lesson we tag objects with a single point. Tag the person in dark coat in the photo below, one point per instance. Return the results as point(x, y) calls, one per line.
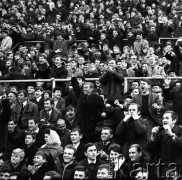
point(137, 159)
point(49, 115)
point(15, 139)
point(15, 75)
point(63, 132)
point(38, 99)
point(24, 110)
point(175, 95)
point(89, 111)
point(41, 69)
point(58, 71)
point(76, 137)
point(131, 129)
point(112, 82)
point(67, 163)
point(39, 168)
point(106, 141)
point(91, 162)
point(5, 118)
point(166, 142)
point(29, 147)
point(16, 162)
point(33, 126)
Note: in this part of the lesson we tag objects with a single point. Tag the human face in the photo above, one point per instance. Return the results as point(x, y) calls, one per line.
point(42, 60)
point(61, 126)
point(79, 175)
point(152, 61)
point(167, 120)
point(132, 109)
point(47, 139)
point(75, 137)
point(38, 160)
point(112, 63)
point(30, 89)
point(21, 98)
point(144, 86)
point(57, 61)
point(11, 97)
point(135, 85)
point(73, 64)
point(68, 155)
point(57, 94)
point(86, 89)
point(91, 153)
point(31, 125)
point(134, 154)
point(15, 159)
point(114, 156)
point(46, 95)
point(47, 105)
point(135, 92)
point(29, 140)
point(38, 93)
point(105, 135)
point(156, 89)
point(11, 126)
point(102, 174)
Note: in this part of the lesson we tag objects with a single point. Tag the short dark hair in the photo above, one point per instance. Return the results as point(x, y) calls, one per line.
point(76, 129)
point(174, 115)
point(137, 146)
point(57, 89)
point(83, 169)
point(115, 147)
point(146, 80)
point(33, 134)
point(35, 119)
point(89, 145)
point(49, 99)
point(40, 153)
point(24, 92)
point(107, 128)
point(39, 88)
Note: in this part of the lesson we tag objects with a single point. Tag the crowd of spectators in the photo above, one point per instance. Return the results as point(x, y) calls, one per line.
point(91, 130)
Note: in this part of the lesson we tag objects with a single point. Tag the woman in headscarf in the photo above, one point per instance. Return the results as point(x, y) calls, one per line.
point(52, 149)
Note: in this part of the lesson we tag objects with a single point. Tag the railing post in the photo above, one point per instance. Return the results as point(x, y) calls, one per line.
point(53, 80)
point(125, 84)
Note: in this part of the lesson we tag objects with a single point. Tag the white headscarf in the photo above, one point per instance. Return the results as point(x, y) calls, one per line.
point(54, 137)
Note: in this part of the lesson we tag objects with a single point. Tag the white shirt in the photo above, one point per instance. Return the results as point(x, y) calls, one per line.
point(24, 103)
point(76, 145)
point(89, 161)
point(38, 99)
point(36, 131)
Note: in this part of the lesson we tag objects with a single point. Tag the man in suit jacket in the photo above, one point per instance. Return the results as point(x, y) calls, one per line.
point(149, 102)
point(38, 99)
point(106, 141)
point(49, 115)
point(76, 137)
point(33, 125)
point(24, 110)
point(91, 162)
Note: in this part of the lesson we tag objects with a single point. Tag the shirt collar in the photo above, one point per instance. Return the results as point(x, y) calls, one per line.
point(24, 103)
point(76, 145)
point(37, 130)
point(89, 161)
point(38, 99)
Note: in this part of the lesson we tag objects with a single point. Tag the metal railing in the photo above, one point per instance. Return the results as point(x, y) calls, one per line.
point(53, 80)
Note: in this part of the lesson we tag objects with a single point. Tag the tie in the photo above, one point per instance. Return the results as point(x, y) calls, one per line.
point(21, 112)
point(104, 144)
point(92, 166)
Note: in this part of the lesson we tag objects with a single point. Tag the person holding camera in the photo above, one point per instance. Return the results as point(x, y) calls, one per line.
point(166, 142)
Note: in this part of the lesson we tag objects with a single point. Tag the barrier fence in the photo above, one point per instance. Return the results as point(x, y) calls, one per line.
point(53, 80)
